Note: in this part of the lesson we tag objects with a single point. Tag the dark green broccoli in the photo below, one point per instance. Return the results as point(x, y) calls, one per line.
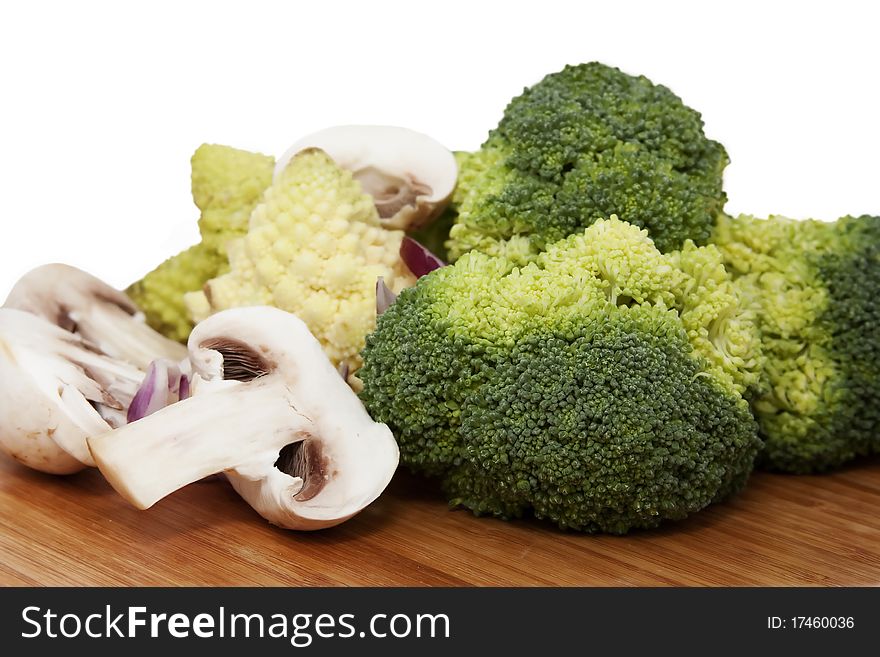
point(599, 386)
point(817, 289)
point(585, 143)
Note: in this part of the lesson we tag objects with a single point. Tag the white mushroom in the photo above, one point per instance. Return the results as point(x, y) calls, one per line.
point(73, 355)
point(105, 317)
point(409, 175)
point(267, 408)
point(56, 388)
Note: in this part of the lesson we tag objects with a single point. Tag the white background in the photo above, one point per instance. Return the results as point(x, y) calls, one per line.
point(102, 104)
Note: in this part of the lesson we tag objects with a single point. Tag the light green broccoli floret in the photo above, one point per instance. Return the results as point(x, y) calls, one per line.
point(584, 143)
point(816, 286)
point(226, 185)
point(600, 386)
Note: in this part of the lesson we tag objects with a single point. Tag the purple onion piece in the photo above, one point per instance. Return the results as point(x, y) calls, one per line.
point(144, 395)
point(343, 367)
point(384, 296)
point(183, 389)
point(419, 259)
point(161, 387)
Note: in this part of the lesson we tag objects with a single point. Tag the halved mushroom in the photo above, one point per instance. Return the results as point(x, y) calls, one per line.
point(409, 175)
point(73, 356)
point(267, 408)
point(57, 391)
point(105, 317)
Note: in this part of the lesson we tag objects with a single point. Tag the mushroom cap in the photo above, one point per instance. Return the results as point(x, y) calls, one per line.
point(410, 175)
point(78, 302)
point(53, 385)
point(267, 408)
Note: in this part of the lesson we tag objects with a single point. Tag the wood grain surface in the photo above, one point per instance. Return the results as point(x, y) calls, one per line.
point(822, 530)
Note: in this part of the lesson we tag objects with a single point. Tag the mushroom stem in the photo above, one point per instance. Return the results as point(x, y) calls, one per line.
point(125, 336)
point(155, 456)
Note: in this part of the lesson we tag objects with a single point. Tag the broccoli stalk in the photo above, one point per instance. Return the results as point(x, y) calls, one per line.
point(600, 386)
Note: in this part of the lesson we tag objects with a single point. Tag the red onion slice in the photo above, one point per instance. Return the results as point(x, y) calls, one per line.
point(163, 385)
point(419, 259)
point(183, 391)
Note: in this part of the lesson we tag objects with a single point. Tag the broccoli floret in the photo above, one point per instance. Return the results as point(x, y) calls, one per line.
point(226, 185)
point(816, 286)
point(585, 143)
point(600, 386)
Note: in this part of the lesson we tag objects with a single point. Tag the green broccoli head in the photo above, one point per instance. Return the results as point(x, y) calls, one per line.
point(584, 143)
point(600, 386)
point(816, 286)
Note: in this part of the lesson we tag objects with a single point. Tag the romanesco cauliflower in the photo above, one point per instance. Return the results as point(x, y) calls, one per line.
point(315, 248)
point(226, 185)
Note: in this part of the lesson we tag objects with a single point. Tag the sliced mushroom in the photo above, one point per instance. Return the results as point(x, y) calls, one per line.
point(57, 391)
point(267, 408)
point(74, 354)
point(105, 317)
point(409, 175)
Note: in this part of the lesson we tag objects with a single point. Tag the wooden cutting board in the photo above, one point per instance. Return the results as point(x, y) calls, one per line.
point(822, 530)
